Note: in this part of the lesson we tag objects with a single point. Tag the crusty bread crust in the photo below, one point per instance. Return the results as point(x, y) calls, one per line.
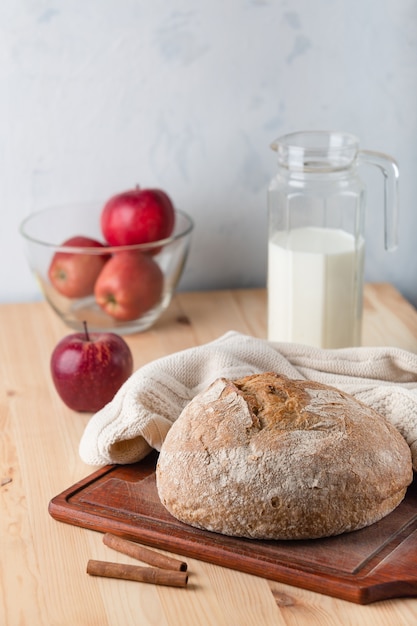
point(268, 457)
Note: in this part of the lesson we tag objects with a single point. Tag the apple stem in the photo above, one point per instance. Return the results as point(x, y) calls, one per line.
point(87, 336)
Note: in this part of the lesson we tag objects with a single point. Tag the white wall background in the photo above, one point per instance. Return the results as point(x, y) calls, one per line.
point(187, 95)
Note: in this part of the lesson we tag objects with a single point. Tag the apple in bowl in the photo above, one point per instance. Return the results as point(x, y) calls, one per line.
point(137, 216)
point(129, 285)
point(74, 273)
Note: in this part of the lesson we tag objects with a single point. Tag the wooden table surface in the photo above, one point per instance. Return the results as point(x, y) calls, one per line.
point(43, 578)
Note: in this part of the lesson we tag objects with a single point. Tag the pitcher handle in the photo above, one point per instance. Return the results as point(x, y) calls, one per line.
point(389, 168)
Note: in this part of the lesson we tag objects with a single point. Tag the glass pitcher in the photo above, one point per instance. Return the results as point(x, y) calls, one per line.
point(316, 245)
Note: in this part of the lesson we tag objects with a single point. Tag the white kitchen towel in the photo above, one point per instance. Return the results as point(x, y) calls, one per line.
point(143, 410)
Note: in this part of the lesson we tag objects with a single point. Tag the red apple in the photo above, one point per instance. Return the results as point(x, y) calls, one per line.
point(73, 274)
point(129, 285)
point(88, 368)
point(137, 216)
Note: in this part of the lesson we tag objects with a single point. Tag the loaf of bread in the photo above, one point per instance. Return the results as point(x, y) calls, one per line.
point(268, 457)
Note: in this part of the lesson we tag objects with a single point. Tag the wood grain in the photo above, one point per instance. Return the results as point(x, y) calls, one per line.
point(42, 565)
point(372, 564)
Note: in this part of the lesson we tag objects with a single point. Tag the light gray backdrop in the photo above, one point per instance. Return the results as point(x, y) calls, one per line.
point(98, 95)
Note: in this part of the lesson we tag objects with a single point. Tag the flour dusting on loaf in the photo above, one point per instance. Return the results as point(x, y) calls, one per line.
point(268, 457)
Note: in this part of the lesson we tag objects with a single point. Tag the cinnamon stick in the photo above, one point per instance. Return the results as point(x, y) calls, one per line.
point(136, 573)
point(143, 554)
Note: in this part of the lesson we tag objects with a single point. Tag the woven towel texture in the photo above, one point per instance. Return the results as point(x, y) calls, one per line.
point(141, 413)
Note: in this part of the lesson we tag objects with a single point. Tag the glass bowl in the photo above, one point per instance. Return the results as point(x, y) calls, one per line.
point(147, 290)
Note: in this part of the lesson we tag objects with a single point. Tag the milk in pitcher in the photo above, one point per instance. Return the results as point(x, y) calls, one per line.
point(313, 287)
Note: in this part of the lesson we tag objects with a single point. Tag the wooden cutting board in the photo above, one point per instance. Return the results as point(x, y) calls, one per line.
point(367, 565)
